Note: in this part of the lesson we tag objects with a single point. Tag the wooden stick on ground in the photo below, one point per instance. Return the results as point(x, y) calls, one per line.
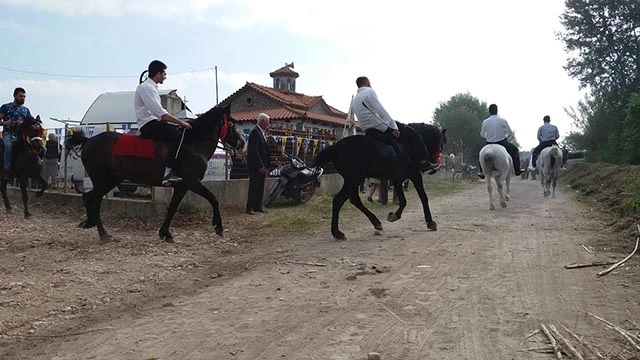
point(597, 263)
point(628, 336)
point(587, 249)
point(58, 336)
point(605, 272)
point(593, 350)
point(571, 350)
point(305, 263)
point(552, 340)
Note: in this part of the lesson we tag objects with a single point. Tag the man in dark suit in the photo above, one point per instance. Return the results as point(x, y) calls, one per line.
point(258, 162)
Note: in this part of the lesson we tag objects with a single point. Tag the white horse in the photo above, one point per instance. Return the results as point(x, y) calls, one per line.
point(548, 164)
point(496, 163)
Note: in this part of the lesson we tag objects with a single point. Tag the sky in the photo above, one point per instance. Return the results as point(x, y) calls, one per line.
point(416, 54)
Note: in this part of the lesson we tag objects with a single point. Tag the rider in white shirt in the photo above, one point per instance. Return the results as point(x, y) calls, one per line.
point(495, 130)
point(153, 119)
point(378, 124)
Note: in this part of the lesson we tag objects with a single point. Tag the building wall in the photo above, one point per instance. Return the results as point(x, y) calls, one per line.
point(239, 101)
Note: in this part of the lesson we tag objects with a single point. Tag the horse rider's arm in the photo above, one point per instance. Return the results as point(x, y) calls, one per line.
point(379, 109)
point(508, 129)
point(540, 133)
point(557, 133)
point(483, 129)
point(1, 118)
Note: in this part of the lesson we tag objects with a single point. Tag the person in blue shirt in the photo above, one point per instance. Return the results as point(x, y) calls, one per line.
point(11, 116)
point(547, 136)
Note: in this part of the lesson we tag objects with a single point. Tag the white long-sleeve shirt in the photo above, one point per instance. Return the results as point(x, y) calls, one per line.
point(147, 103)
point(366, 119)
point(495, 128)
point(548, 132)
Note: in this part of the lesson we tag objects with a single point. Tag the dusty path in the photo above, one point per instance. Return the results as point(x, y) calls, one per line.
point(472, 290)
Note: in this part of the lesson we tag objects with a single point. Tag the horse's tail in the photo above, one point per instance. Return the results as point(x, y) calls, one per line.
point(75, 142)
point(325, 156)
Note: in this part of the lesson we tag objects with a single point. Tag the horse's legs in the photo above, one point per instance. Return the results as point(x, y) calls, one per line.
point(355, 200)
point(101, 189)
point(179, 191)
point(43, 186)
point(490, 190)
point(25, 196)
point(338, 202)
point(196, 186)
point(500, 185)
point(3, 188)
point(416, 179)
point(554, 178)
point(402, 202)
point(508, 183)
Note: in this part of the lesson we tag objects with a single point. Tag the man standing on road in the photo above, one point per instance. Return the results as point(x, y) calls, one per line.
point(258, 163)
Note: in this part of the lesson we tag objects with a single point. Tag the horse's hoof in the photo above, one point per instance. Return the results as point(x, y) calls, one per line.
point(339, 236)
point(492, 207)
point(168, 239)
point(431, 225)
point(378, 227)
point(503, 205)
point(82, 224)
point(218, 230)
point(27, 215)
point(506, 198)
point(106, 238)
point(392, 217)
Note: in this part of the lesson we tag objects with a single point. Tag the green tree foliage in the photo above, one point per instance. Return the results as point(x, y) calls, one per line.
point(602, 38)
point(462, 116)
point(631, 131)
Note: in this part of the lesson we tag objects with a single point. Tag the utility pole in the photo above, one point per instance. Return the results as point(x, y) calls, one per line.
point(215, 69)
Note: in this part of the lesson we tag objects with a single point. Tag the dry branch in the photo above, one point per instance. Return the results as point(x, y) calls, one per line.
point(570, 349)
point(590, 348)
point(305, 263)
point(597, 263)
point(58, 336)
point(627, 335)
point(552, 340)
point(604, 272)
point(587, 249)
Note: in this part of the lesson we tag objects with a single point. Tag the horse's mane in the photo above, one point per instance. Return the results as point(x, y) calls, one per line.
point(428, 131)
point(202, 125)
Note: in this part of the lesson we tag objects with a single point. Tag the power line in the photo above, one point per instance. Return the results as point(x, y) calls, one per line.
point(93, 76)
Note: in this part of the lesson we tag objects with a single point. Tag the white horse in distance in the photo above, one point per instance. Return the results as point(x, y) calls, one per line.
point(496, 163)
point(548, 164)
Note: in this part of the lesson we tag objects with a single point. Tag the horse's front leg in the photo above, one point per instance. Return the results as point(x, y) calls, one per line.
point(43, 186)
point(25, 196)
point(355, 200)
point(416, 179)
point(3, 188)
point(179, 191)
point(402, 202)
point(501, 184)
point(197, 187)
point(507, 195)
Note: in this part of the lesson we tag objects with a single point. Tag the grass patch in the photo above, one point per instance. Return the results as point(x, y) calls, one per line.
point(315, 215)
point(616, 187)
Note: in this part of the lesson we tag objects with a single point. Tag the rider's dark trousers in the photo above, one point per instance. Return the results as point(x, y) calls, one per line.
point(539, 148)
point(163, 131)
point(513, 152)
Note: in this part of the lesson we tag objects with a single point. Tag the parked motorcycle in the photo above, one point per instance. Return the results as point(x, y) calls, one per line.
point(466, 172)
point(297, 181)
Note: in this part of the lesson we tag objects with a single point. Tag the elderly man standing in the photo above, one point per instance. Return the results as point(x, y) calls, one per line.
point(258, 163)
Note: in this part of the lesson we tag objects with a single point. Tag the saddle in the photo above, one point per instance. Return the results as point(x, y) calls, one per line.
point(135, 146)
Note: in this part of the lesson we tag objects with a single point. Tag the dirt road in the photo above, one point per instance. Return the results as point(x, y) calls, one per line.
point(472, 290)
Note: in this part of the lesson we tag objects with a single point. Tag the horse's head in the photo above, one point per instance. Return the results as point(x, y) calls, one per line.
point(31, 132)
point(433, 138)
point(219, 120)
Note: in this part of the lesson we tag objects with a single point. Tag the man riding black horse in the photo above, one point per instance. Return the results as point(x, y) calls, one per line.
point(376, 123)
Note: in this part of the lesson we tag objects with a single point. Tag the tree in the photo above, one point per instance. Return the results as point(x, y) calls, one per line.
point(462, 116)
point(602, 38)
point(631, 131)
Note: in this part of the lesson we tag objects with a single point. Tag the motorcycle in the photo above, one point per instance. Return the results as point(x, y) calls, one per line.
point(297, 181)
point(466, 172)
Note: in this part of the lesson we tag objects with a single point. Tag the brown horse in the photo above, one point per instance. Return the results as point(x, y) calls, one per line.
point(26, 161)
point(107, 170)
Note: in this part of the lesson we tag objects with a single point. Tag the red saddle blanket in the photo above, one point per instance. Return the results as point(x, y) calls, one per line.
point(135, 146)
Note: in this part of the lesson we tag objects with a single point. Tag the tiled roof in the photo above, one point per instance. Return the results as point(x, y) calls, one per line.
point(285, 70)
point(293, 106)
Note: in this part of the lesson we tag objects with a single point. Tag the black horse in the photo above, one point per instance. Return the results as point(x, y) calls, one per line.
point(26, 161)
point(107, 170)
point(358, 157)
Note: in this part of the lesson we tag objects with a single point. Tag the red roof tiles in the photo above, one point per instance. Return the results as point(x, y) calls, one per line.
point(286, 71)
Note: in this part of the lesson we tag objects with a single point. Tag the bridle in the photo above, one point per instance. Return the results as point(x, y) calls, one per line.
point(226, 129)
